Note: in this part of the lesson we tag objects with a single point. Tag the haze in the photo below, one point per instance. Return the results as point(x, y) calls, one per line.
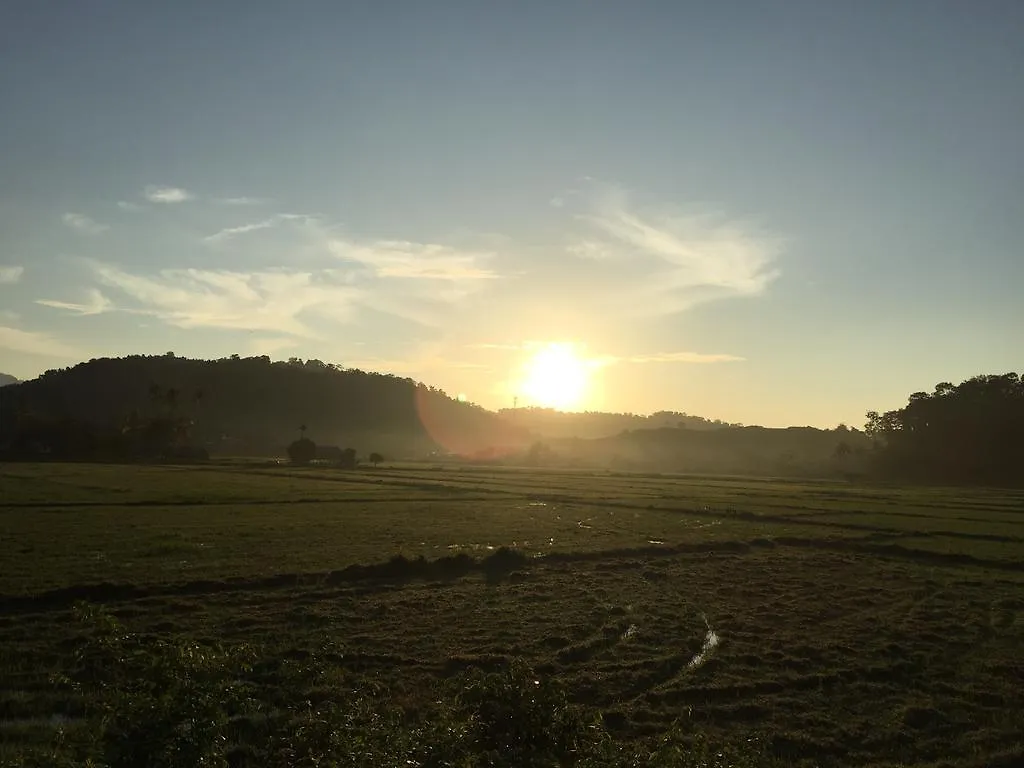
point(784, 215)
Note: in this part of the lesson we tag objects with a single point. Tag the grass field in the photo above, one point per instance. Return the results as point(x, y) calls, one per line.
point(843, 625)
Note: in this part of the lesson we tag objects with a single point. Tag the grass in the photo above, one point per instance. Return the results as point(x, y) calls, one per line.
point(857, 625)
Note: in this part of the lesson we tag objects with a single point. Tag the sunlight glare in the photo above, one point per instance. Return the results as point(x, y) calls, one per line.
point(556, 377)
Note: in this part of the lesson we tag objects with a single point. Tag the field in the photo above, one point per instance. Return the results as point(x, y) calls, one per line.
point(839, 624)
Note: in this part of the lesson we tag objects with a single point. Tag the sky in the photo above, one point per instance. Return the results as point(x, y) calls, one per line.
point(778, 213)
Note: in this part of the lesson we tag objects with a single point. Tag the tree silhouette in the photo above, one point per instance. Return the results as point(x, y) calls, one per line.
point(972, 432)
point(302, 451)
point(376, 458)
point(348, 459)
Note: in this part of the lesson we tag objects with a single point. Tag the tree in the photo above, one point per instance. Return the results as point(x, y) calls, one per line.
point(376, 458)
point(302, 451)
point(348, 459)
point(972, 432)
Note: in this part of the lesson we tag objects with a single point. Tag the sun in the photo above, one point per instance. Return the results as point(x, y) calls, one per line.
point(556, 377)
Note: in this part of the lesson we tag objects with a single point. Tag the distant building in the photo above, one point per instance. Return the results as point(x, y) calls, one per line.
point(331, 453)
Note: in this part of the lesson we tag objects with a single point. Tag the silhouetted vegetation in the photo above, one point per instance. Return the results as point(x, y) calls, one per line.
point(161, 408)
point(796, 451)
point(547, 422)
point(972, 432)
point(244, 406)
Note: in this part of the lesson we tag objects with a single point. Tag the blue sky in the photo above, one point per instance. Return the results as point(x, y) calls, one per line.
point(776, 213)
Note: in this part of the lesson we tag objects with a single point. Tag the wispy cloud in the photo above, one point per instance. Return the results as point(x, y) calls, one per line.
point(240, 201)
point(681, 357)
point(684, 260)
point(95, 304)
point(82, 223)
point(590, 249)
point(36, 343)
point(602, 360)
point(296, 219)
point(158, 194)
point(124, 205)
point(403, 259)
point(269, 301)
point(10, 274)
point(228, 232)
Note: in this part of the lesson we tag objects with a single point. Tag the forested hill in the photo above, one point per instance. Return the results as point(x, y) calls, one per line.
point(549, 423)
point(253, 405)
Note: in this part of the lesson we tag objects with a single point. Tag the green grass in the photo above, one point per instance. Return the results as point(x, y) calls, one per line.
point(857, 626)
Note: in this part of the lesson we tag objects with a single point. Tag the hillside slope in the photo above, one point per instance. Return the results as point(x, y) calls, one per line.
point(255, 406)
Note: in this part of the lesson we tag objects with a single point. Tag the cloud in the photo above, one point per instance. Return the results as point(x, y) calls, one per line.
point(35, 343)
point(229, 232)
point(96, 304)
point(589, 249)
point(272, 221)
point(158, 194)
point(418, 261)
point(269, 301)
point(681, 357)
point(124, 205)
point(681, 260)
point(82, 223)
point(240, 201)
point(10, 274)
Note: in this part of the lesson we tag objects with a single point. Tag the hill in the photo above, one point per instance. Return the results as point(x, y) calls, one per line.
point(252, 406)
point(794, 451)
point(549, 423)
point(6, 379)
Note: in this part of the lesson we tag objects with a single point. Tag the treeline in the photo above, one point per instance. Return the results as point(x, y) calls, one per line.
point(246, 406)
point(792, 452)
point(972, 432)
point(549, 423)
point(169, 407)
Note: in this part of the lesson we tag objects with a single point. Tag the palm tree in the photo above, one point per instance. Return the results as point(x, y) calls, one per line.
point(302, 431)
